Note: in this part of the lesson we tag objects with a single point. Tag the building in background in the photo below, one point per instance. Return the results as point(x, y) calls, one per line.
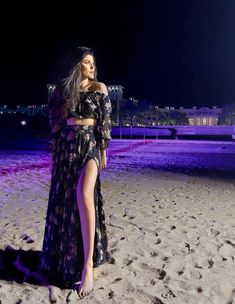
point(116, 95)
point(202, 116)
point(132, 111)
point(30, 110)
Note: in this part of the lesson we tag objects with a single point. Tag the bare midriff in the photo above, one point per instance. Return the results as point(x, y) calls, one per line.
point(81, 121)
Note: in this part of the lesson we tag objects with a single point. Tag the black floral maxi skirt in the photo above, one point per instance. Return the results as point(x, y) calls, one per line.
point(62, 255)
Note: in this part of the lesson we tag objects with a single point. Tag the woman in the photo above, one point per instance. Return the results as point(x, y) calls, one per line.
point(75, 238)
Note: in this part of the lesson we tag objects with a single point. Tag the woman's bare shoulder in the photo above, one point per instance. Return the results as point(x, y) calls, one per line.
point(100, 87)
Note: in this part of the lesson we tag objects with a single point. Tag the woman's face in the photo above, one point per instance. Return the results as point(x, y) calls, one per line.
point(88, 67)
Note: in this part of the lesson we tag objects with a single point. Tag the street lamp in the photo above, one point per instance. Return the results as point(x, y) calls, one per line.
point(51, 88)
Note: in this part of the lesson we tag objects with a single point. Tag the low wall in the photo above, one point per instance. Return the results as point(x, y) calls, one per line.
point(173, 131)
point(224, 133)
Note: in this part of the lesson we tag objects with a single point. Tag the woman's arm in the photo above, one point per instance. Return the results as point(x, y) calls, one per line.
point(105, 124)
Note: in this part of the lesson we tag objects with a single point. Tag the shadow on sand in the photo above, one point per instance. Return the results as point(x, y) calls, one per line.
point(24, 266)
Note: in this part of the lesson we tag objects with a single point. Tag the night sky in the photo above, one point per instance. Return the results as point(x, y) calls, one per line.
point(172, 53)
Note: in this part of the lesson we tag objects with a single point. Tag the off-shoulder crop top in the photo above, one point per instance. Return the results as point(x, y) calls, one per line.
point(96, 105)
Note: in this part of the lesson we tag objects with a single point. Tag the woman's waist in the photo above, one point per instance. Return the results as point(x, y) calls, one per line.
point(81, 121)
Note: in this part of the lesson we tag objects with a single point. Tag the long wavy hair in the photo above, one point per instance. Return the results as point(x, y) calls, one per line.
point(66, 95)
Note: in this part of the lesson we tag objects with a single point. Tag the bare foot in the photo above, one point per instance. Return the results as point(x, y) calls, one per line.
point(86, 285)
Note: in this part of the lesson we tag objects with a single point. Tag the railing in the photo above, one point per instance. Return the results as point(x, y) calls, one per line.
point(173, 132)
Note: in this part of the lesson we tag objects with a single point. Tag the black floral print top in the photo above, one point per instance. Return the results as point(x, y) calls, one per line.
point(93, 104)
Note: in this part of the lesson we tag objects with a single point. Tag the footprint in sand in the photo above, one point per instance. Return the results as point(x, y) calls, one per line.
point(160, 272)
point(192, 274)
point(153, 254)
point(158, 241)
point(103, 274)
point(180, 272)
point(190, 250)
point(169, 294)
point(128, 261)
point(116, 280)
point(113, 244)
point(211, 263)
point(26, 238)
point(214, 232)
point(153, 282)
point(185, 285)
point(230, 243)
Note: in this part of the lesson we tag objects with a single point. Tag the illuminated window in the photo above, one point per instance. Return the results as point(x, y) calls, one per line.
point(204, 121)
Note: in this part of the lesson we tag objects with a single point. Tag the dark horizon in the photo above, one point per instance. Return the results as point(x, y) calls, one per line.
point(171, 54)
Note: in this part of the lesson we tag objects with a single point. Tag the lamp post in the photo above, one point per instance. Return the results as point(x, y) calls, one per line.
point(51, 88)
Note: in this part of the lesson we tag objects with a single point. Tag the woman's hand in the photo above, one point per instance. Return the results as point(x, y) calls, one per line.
point(103, 161)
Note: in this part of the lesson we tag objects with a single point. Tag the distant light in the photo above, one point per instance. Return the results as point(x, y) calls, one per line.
point(23, 122)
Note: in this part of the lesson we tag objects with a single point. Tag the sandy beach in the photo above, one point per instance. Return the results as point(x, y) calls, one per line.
point(170, 217)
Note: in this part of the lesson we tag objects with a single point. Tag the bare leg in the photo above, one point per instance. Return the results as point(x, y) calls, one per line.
point(85, 198)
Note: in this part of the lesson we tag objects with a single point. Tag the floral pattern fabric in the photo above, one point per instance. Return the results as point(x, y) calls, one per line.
point(93, 104)
point(62, 252)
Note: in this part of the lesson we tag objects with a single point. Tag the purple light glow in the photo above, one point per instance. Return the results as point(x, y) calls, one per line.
point(159, 154)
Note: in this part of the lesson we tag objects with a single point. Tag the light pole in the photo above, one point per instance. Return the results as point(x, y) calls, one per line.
point(51, 88)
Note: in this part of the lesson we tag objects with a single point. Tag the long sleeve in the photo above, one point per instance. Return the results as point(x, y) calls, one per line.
point(104, 125)
point(53, 137)
point(55, 122)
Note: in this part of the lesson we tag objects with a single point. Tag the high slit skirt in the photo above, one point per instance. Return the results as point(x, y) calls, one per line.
point(62, 254)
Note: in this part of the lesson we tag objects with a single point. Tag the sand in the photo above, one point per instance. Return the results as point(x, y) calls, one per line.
point(170, 217)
